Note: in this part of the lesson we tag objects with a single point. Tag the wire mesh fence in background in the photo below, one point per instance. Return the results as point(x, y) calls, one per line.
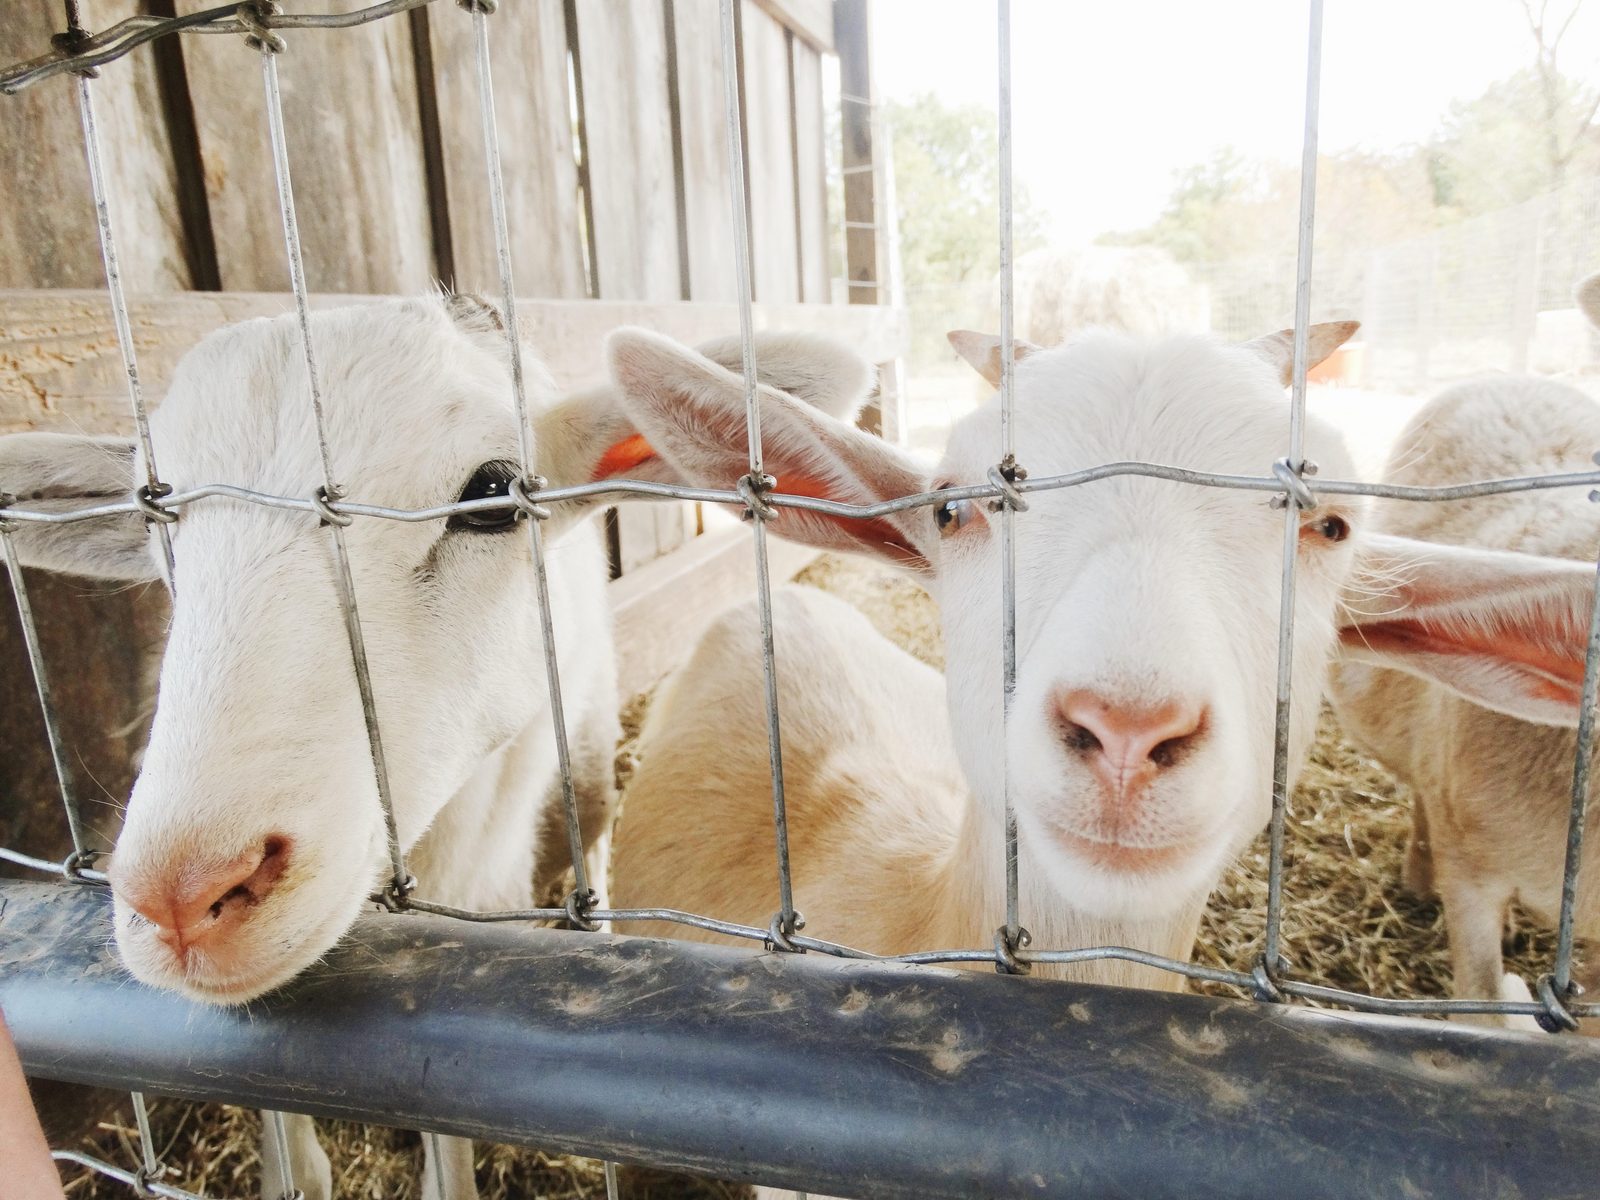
point(1490, 293)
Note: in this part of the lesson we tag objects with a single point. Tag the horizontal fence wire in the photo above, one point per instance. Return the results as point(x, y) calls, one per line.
point(75, 53)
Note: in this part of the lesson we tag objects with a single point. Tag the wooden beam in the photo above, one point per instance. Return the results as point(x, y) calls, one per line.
point(810, 19)
point(852, 27)
point(60, 369)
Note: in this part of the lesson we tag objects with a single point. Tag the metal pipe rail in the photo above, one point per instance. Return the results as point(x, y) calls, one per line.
point(799, 1070)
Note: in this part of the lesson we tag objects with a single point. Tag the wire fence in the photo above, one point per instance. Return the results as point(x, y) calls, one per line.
point(761, 499)
point(1492, 292)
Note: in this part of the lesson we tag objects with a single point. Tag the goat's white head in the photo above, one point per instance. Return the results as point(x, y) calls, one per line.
point(254, 832)
point(1140, 744)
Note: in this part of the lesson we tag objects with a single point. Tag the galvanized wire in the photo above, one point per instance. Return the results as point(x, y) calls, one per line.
point(755, 486)
point(583, 894)
point(400, 882)
point(1294, 500)
point(1562, 971)
point(95, 50)
point(276, 1132)
point(143, 1187)
point(154, 488)
point(1013, 936)
point(81, 853)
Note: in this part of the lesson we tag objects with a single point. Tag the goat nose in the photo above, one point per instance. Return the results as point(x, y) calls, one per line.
point(195, 901)
point(1127, 745)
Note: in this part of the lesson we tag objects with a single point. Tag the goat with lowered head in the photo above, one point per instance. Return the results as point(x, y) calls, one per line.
point(1490, 753)
point(254, 833)
point(1140, 746)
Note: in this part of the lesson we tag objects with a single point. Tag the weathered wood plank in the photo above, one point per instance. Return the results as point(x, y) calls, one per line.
point(355, 154)
point(528, 52)
point(811, 183)
point(59, 365)
point(773, 248)
point(623, 48)
point(705, 150)
point(47, 225)
point(811, 20)
point(852, 37)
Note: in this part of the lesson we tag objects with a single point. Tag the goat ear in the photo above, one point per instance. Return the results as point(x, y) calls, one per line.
point(473, 313)
point(1504, 630)
point(692, 411)
point(1321, 340)
point(982, 352)
point(56, 472)
point(1588, 295)
point(589, 437)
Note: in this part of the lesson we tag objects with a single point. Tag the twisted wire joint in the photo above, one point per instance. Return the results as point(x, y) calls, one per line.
point(781, 930)
point(522, 490)
point(1006, 944)
point(753, 490)
point(1293, 479)
point(1006, 476)
point(1556, 1017)
point(149, 497)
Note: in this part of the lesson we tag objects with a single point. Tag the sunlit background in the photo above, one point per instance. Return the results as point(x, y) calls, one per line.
point(1157, 152)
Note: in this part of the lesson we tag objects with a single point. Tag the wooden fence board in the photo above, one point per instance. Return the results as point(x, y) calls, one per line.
point(624, 55)
point(528, 52)
point(705, 150)
point(60, 369)
point(811, 20)
point(355, 155)
point(771, 149)
point(48, 236)
point(811, 182)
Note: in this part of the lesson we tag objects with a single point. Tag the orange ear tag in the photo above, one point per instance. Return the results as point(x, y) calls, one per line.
point(622, 458)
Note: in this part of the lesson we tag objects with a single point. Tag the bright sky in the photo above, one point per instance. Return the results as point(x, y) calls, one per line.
point(1109, 99)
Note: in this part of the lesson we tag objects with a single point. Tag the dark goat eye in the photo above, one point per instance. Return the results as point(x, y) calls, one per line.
point(490, 481)
point(953, 514)
point(1331, 529)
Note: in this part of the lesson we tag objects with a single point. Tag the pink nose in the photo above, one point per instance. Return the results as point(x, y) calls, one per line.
point(1127, 745)
point(197, 902)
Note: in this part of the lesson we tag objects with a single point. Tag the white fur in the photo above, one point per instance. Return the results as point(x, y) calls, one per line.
point(1134, 588)
point(258, 730)
point(1492, 775)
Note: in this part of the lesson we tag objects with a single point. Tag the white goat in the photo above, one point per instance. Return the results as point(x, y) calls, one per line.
point(1491, 766)
point(1139, 750)
point(254, 833)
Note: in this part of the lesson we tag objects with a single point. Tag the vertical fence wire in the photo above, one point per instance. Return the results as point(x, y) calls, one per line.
point(154, 489)
point(275, 1131)
point(1561, 974)
point(583, 894)
point(1293, 501)
point(1014, 936)
point(401, 883)
point(787, 920)
point(150, 1164)
point(81, 853)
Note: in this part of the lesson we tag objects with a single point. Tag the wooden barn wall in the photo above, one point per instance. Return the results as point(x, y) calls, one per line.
point(613, 142)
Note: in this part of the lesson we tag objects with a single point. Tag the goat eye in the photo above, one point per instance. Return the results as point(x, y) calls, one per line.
point(492, 479)
point(1332, 529)
point(953, 514)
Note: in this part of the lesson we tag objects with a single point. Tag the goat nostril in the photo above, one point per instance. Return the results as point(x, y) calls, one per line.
point(1079, 739)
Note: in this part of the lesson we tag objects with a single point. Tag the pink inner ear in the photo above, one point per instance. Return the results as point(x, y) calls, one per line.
point(1552, 674)
point(874, 533)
